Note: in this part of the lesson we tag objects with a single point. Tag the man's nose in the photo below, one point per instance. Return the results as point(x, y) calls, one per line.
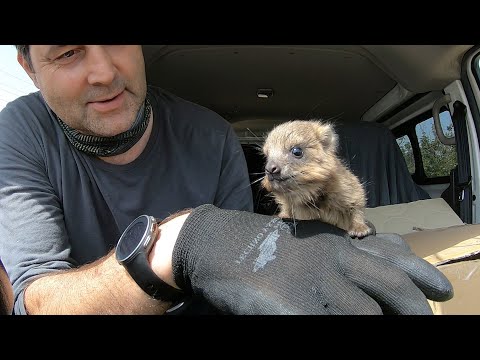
point(101, 69)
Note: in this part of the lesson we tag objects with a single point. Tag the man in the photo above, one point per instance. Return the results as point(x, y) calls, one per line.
point(73, 185)
point(94, 149)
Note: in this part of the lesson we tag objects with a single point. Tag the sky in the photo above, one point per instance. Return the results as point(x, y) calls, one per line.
point(14, 81)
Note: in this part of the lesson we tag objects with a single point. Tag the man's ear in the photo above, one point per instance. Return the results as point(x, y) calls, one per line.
point(26, 66)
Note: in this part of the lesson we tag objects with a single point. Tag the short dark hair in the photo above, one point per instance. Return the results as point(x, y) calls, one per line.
point(24, 50)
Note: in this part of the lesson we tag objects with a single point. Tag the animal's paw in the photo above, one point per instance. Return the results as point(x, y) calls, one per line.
point(360, 230)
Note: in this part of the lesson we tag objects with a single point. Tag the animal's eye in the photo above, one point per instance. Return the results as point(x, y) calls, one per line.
point(297, 151)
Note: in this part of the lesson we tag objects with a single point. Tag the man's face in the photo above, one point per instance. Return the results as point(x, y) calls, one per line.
point(96, 89)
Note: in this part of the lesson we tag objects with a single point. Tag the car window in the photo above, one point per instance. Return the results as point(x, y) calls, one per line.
point(438, 159)
point(406, 147)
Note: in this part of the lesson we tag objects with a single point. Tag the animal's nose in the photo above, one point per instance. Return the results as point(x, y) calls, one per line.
point(272, 168)
point(272, 171)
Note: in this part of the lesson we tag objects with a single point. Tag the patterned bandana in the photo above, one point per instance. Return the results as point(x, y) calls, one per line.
point(112, 145)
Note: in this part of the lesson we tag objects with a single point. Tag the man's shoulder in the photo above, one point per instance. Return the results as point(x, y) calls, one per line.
point(24, 119)
point(24, 109)
point(33, 99)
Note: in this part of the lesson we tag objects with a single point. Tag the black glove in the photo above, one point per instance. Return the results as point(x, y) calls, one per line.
point(246, 263)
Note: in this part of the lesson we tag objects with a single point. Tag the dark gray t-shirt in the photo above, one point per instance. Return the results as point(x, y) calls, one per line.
point(61, 208)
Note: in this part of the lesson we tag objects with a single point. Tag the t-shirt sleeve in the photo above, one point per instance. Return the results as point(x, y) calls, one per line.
point(33, 239)
point(234, 191)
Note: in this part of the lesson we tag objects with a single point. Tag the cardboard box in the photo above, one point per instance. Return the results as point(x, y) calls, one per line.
point(456, 252)
point(465, 278)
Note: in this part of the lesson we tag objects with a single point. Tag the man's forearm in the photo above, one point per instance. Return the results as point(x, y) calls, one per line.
point(102, 287)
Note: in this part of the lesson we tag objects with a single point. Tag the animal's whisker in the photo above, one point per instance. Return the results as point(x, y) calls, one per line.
point(259, 179)
point(250, 184)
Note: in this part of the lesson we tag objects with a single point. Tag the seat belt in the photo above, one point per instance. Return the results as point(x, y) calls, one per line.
point(463, 185)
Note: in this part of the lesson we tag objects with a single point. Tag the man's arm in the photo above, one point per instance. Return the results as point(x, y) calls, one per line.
point(34, 243)
point(35, 248)
point(102, 287)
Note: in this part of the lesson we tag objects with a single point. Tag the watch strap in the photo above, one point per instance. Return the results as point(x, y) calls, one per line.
point(140, 271)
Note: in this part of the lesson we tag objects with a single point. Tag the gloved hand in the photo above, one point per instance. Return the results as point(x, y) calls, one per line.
point(245, 263)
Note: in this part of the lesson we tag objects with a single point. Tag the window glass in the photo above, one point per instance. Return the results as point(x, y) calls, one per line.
point(438, 159)
point(406, 147)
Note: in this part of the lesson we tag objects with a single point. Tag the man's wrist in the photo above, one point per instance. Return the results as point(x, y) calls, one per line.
point(160, 257)
point(133, 250)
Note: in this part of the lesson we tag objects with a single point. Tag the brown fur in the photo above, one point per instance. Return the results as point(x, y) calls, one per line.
point(316, 185)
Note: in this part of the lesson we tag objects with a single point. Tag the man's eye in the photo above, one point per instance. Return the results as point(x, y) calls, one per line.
point(297, 151)
point(66, 55)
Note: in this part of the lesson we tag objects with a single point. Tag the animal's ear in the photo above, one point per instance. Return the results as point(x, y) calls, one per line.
point(328, 136)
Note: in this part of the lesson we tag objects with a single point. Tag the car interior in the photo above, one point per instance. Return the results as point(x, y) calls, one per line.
point(390, 104)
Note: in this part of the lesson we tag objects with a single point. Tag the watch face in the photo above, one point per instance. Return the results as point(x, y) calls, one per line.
point(132, 238)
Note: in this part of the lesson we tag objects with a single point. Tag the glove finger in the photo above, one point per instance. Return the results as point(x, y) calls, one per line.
point(340, 296)
point(337, 297)
point(392, 248)
point(392, 288)
point(242, 299)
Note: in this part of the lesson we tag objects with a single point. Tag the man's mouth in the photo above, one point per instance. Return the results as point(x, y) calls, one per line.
point(107, 104)
point(107, 99)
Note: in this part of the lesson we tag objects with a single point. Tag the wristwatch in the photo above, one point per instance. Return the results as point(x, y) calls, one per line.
point(132, 252)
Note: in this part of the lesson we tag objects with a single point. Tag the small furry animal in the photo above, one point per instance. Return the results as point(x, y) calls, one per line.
point(309, 181)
